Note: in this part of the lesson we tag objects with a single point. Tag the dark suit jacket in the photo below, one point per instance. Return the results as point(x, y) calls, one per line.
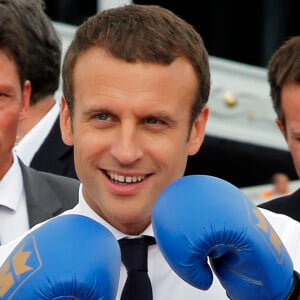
point(47, 195)
point(54, 155)
point(288, 205)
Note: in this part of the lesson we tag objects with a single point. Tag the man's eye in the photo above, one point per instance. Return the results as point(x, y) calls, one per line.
point(103, 117)
point(4, 96)
point(152, 121)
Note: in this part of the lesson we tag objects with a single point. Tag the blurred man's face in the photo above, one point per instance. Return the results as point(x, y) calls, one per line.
point(290, 96)
point(281, 184)
point(13, 104)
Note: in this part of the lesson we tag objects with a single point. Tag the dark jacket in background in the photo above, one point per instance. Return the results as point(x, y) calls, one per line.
point(54, 155)
point(288, 205)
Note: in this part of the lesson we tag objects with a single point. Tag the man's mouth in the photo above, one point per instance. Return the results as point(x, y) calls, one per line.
point(123, 179)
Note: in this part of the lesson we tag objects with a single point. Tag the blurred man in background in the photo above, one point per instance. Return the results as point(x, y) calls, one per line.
point(284, 80)
point(39, 143)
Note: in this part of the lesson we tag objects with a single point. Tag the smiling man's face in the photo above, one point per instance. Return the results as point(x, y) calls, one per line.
point(131, 133)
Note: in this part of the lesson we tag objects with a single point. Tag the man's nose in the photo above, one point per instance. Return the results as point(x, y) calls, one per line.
point(127, 147)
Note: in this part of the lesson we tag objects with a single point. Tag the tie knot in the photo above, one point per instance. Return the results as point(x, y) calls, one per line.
point(135, 253)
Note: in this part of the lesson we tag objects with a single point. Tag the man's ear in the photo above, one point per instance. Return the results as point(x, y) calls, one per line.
point(25, 100)
point(65, 122)
point(197, 133)
point(281, 127)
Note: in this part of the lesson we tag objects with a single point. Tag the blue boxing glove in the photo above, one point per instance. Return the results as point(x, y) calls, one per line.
point(201, 217)
point(68, 257)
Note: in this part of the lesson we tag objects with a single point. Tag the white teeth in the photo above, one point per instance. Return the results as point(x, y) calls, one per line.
point(128, 179)
point(123, 179)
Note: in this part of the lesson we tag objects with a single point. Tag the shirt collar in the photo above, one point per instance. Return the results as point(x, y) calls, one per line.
point(85, 209)
point(11, 186)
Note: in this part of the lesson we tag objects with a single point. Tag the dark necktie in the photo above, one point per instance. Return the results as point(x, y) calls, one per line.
point(134, 257)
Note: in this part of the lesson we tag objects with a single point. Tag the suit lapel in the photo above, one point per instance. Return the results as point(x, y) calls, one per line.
point(42, 203)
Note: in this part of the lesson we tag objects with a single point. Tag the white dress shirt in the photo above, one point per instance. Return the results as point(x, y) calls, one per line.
point(13, 209)
point(32, 141)
point(165, 283)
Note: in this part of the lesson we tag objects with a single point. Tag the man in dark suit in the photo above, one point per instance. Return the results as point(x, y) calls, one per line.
point(27, 196)
point(39, 142)
point(284, 80)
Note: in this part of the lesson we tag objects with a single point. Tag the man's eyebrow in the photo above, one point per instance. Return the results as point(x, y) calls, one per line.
point(7, 87)
point(96, 109)
point(295, 132)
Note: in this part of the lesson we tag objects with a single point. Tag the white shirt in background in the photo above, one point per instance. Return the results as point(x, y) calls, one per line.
point(13, 210)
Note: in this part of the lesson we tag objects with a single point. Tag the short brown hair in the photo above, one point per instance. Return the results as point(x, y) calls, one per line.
point(12, 42)
point(147, 33)
point(283, 67)
point(44, 46)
